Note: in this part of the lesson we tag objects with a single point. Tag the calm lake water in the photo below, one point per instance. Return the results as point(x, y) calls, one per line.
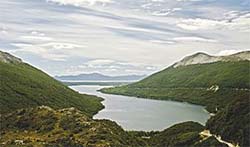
point(144, 114)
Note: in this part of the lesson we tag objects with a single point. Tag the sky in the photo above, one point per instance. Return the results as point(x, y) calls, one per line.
point(120, 37)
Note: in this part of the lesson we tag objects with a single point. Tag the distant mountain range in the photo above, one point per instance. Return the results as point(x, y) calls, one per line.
point(99, 77)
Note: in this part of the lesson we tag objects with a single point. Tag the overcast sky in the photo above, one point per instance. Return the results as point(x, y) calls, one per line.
point(119, 37)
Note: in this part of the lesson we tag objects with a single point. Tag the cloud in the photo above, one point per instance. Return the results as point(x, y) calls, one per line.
point(112, 66)
point(100, 62)
point(40, 51)
point(229, 52)
point(233, 20)
point(80, 2)
point(162, 41)
point(198, 23)
point(124, 31)
point(55, 51)
point(41, 38)
point(62, 45)
point(35, 36)
point(165, 12)
point(3, 30)
point(194, 39)
point(189, 0)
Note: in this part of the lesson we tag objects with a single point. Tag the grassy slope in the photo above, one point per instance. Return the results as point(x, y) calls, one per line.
point(43, 126)
point(24, 86)
point(190, 84)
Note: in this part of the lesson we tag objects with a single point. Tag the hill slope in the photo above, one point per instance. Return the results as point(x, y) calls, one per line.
point(233, 123)
point(24, 86)
point(44, 126)
point(210, 84)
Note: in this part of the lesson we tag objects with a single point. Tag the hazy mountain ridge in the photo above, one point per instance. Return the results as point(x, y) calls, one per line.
point(202, 58)
point(98, 77)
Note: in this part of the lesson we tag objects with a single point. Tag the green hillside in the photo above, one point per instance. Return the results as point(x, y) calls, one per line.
point(233, 122)
point(223, 74)
point(24, 86)
point(211, 84)
point(183, 134)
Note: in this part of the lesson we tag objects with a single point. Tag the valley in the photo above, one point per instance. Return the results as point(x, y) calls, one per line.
point(40, 111)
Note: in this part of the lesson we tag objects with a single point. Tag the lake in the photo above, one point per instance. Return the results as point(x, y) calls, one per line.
point(144, 114)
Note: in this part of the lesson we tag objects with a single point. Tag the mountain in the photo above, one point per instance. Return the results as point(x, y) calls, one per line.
point(99, 77)
point(222, 84)
point(23, 86)
point(201, 58)
point(210, 84)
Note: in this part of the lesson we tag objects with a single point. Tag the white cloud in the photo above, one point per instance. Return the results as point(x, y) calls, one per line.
point(37, 33)
point(165, 12)
point(147, 5)
point(157, 0)
point(115, 67)
point(188, 0)
point(229, 52)
point(99, 62)
point(3, 30)
point(40, 51)
point(35, 36)
point(232, 21)
point(162, 41)
point(198, 23)
point(194, 39)
point(55, 51)
point(80, 2)
point(41, 38)
point(161, 13)
point(62, 45)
